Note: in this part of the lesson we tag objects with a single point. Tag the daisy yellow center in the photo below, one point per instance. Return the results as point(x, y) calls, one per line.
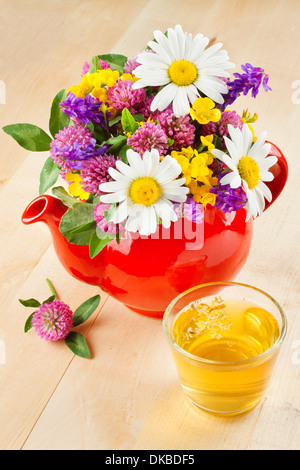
point(249, 171)
point(183, 72)
point(145, 191)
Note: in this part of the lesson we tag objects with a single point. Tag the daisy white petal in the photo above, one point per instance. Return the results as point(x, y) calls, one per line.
point(181, 60)
point(118, 196)
point(120, 213)
point(148, 195)
point(249, 164)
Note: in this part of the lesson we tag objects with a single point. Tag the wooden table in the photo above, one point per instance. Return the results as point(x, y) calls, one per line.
point(127, 396)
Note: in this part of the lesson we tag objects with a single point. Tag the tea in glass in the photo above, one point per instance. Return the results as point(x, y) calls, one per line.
point(225, 344)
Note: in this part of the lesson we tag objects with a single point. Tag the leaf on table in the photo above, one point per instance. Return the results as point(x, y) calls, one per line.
point(85, 310)
point(78, 345)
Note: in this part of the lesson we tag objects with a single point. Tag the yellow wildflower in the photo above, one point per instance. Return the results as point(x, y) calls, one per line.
point(129, 76)
point(75, 188)
point(194, 165)
point(207, 141)
point(197, 174)
point(201, 193)
point(204, 111)
point(95, 84)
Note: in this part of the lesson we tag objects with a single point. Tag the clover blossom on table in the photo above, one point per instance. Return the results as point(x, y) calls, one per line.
point(53, 321)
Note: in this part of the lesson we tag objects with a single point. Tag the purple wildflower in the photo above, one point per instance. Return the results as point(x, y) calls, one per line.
point(72, 146)
point(85, 109)
point(190, 210)
point(95, 171)
point(251, 79)
point(229, 199)
point(69, 143)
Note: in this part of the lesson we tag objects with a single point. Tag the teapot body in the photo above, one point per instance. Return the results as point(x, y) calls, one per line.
point(146, 273)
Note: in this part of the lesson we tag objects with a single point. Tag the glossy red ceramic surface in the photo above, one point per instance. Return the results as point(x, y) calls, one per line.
point(146, 273)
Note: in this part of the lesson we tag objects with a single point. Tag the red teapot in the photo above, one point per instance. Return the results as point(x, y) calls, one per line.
point(146, 273)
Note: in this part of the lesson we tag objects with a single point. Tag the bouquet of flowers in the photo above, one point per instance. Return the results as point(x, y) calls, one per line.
point(140, 141)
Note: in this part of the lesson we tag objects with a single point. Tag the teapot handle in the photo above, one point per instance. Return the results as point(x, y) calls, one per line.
point(280, 171)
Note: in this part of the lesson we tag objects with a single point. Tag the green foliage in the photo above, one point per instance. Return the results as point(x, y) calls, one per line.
point(78, 223)
point(29, 136)
point(85, 310)
point(58, 119)
point(115, 61)
point(97, 244)
point(65, 197)
point(48, 175)
point(78, 345)
point(128, 122)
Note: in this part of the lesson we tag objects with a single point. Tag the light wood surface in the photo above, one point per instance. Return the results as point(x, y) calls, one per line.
point(127, 396)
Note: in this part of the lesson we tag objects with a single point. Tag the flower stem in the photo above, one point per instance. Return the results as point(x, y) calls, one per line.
point(51, 288)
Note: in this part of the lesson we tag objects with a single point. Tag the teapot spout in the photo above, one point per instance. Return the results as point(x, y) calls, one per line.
point(45, 209)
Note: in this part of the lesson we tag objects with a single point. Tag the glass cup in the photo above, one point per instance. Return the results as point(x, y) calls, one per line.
point(224, 338)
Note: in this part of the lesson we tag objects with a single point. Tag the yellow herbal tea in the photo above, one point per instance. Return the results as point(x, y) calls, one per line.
point(224, 336)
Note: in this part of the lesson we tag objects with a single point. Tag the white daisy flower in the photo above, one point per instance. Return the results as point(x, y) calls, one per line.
point(144, 190)
point(249, 164)
point(181, 65)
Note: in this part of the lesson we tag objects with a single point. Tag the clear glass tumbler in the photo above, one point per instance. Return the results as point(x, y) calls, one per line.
point(225, 338)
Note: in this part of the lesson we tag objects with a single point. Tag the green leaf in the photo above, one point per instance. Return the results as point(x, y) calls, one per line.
point(139, 117)
point(28, 323)
point(99, 133)
point(49, 175)
point(97, 244)
point(85, 310)
point(77, 343)
point(78, 223)
point(115, 120)
point(95, 65)
point(30, 303)
point(29, 136)
point(116, 143)
point(116, 61)
point(50, 299)
point(64, 196)
point(58, 119)
point(123, 153)
point(128, 122)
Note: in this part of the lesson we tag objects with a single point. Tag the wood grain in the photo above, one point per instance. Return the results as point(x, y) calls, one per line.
point(127, 396)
